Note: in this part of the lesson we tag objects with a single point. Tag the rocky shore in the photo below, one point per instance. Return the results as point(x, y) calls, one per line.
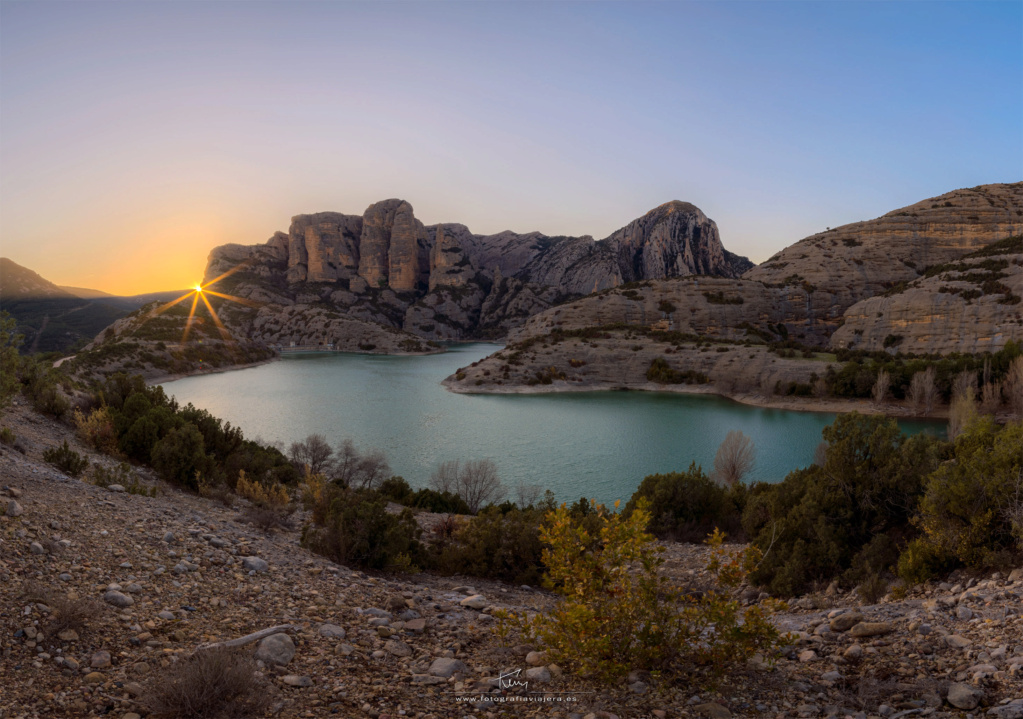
point(173, 571)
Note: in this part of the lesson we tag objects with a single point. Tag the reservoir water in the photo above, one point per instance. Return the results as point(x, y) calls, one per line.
point(598, 444)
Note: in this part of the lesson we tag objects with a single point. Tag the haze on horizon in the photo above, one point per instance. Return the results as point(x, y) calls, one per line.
point(135, 137)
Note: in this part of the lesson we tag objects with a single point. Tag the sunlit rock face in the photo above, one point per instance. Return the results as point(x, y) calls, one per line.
point(444, 282)
point(851, 263)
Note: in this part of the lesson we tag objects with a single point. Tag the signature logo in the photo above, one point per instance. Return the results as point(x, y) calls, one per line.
point(510, 680)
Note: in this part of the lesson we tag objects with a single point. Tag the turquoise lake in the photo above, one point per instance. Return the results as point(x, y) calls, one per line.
point(598, 444)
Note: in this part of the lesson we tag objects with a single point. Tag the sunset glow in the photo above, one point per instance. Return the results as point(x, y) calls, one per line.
point(162, 129)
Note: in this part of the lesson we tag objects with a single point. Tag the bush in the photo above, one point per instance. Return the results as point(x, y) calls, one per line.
point(496, 545)
point(179, 457)
point(271, 496)
point(268, 519)
point(825, 521)
point(662, 373)
point(122, 475)
point(97, 429)
point(398, 490)
point(210, 684)
point(65, 614)
point(619, 613)
point(689, 505)
point(66, 460)
point(354, 528)
point(10, 340)
point(971, 512)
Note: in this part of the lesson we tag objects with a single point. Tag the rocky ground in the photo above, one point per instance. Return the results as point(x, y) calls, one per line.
point(174, 571)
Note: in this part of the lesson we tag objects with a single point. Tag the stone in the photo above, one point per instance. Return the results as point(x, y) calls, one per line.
point(871, 629)
point(416, 626)
point(331, 631)
point(294, 680)
point(446, 667)
point(476, 601)
point(963, 696)
point(14, 509)
point(95, 678)
point(540, 675)
point(168, 616)
point(957, 642)
point(276, 649)
point(254, 564)
point(397, 648)
point(713, 710)
point(68, 635)
point(36, 548)
point(100, 660)
point(854, 652)
point(116, 488)
point(1016, 575)
point(131, 715)
point(118, 599)
point(536, 659)
point(807, 655)
point(1013, 710)
point(963, 612)
point(845, 622)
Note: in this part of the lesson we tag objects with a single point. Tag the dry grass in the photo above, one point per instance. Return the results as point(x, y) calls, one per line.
point(74, 614)
point(212, 684)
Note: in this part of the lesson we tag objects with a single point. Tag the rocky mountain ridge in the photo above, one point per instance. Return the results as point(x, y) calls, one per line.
point(442, 281)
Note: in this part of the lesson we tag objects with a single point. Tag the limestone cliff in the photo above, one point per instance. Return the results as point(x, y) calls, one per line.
point(850, 263)
point(443, 282)
point(971, 305)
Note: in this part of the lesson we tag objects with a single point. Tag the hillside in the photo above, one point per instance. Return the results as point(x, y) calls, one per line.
point(157, 576)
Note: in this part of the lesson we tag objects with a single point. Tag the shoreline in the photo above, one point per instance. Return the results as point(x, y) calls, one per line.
point(789, 403)
point(163, 379)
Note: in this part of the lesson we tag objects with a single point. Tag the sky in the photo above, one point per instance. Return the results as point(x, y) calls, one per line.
point(135, 137)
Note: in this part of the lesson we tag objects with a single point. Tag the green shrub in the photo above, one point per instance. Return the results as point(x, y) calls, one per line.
point(661, 372)
point(354, 528)
point(66, 460)
point(619, 613)
point(10, 340)
point(8, 437)
point(824, 521)
point(122, 474)
point(688, 505)
point(398, 490)
point(180, 457)
point(971, 512)
point(497, 545)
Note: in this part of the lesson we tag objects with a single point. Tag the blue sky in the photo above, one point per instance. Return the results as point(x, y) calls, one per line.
point(134, 137)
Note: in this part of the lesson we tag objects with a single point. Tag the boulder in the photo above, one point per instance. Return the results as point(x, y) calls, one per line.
point(446, 667)
point(254, 564)
point(871, 629)
point(276, 649)
point(963, 696)
point(118, 599)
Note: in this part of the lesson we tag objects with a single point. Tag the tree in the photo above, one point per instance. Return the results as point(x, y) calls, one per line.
point(923, 391)
point(313, 453)
point(734, 458)
point(10, 340)
point(880, 391)
point(478, 483)
point(180, 456)
point(353, 469)
point(1013, 387)
point(445, 477)
point(963, 407)
point(526, 495)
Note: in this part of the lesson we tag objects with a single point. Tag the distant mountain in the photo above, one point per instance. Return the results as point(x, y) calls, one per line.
point(54, 318)
point(21, 283)
point(86, 293)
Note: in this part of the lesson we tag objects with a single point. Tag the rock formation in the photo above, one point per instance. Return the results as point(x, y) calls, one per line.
point(443, 282)
point(972, 305)
point(850, 263)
